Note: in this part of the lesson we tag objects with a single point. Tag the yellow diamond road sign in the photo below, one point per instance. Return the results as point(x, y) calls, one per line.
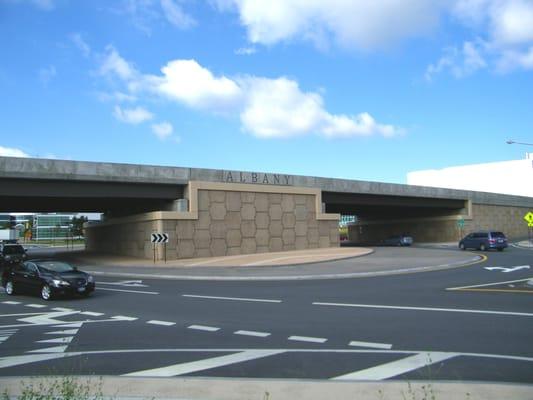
point(529, 218)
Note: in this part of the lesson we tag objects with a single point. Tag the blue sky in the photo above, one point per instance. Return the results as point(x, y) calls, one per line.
point(349, 89)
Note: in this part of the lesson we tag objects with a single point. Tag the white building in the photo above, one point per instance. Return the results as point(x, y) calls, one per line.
point(507, 177)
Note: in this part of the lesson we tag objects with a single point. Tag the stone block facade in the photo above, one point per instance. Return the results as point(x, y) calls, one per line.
point(224, 222)
point(507, 219)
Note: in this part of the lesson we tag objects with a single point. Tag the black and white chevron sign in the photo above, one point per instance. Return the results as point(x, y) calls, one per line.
point(159, 237)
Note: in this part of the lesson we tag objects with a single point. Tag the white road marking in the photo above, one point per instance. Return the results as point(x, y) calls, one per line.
point(21, 314)
point(6, 362)
point(231, 298)
point(62, 309)
point(70, 325)
point(128, 291)
point(35, 305)
point(488, 284)
point(252, 333)
point(507, 269)
point(307, 339)
point(164, 323)
point(66, 339)
point(55, 349)
point(93, 314)
point(124, 283)
point(204, 328)
point(398, 367)
point(457, 310)
point(202, 365)
point(65, 332)
point(124, 318)
point(11, 302)
point(371, 345)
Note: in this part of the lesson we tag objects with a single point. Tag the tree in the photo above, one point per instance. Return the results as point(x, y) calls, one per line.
point(77, 225)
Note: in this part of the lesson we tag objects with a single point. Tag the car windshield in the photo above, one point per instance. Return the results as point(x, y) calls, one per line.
point(13, 249)
point(56, 266)
point(497, 235)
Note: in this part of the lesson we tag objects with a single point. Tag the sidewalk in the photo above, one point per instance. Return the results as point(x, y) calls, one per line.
point(124, 388)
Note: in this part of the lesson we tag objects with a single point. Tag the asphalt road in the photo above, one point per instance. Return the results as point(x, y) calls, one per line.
point(439, 325)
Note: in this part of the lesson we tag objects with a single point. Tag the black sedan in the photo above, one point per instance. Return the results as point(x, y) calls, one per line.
point(49, 278)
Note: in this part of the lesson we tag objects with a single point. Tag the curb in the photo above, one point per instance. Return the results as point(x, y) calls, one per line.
point(475, 260)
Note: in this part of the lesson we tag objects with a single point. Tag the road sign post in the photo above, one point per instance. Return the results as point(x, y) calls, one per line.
point(529, 219)
point(158, 238)
point(461, 225)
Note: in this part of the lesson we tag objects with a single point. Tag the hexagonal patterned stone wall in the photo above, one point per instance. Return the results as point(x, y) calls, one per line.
point(229, 223)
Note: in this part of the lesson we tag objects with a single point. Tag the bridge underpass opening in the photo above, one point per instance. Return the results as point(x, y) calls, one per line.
point(381, 216)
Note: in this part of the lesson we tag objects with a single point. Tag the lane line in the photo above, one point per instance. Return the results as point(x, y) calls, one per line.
point(124, 318)
point(62, 309)
point(525, 291)
point(252, 333)
point(395, 368)
point(456, 310)
point(35, 305)
point(128, 291)
point(372, 345)
point(93, 314)
point(163, 323)
point(11, 302)
point(204, 328)
point(206, 364)
point(231, 298)
point(307, 339)
point(488, 284)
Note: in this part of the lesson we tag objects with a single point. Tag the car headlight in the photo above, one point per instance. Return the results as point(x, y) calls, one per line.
point(90, 279)
point(60, 282)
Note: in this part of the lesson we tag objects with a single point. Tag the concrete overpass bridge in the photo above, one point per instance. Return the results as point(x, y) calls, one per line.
point(218, 212)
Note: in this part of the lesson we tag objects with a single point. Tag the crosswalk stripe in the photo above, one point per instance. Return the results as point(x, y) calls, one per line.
point(307, 339)
point(65, 332)
point(66, 339)
point(252, 333)
point(202, 365)
point(55, 349)
point(395, 368)
point(204, 328)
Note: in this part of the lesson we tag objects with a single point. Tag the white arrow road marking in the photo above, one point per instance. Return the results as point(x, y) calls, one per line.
point(202, 365)
point(128, 291)
point(92, 314)
point(6, 334)
point(507, 269)
point(395, 368)
point(48, 318)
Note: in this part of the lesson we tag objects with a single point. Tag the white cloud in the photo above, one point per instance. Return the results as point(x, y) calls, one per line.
point(459, 62)
point(114, 65)
point(358, 24)
point(188, 82)
point(133, 116)
point(266, 107)
point(46, 74)
point(116, 96)
point(176, 16)
point(12, 152)
point(163, 130)
point(246, 51)
point(507, 30)
point(81, 44)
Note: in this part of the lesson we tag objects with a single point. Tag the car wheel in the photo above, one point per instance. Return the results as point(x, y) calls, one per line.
point(482, 247)
point(10, 288)
point(46, 292)
point(462, 246)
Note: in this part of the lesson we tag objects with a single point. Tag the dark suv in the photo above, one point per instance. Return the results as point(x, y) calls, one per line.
point(484, 241)
point(11, 254)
